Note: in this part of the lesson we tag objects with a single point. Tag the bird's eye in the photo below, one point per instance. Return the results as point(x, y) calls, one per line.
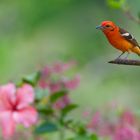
point(107, 26)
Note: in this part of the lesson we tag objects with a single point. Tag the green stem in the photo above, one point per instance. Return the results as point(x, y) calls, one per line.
point(61, 133)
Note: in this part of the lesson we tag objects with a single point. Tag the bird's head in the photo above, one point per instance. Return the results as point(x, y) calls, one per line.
point(107, 27)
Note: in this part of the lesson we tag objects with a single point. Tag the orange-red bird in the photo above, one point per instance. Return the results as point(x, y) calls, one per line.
point(119, 38)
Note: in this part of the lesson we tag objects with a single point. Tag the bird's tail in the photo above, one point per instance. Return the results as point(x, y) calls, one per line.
point(136, 50)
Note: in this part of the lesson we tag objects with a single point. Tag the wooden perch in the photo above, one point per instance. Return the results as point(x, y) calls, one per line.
point(125, 62)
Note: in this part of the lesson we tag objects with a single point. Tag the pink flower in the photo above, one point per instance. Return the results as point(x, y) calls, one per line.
point(99, 126)
point(128, 118)
point(52, 78)
point(62, 102)
point(55, 87)
point(126, 133)
point(72, 84)
point(46, 72)
point(45, 75)
point(43, 84)
point(15, 108)
point(86, 113)
point(60, 67)
point(95, 121)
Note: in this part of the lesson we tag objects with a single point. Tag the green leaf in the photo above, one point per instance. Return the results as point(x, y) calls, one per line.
point(46, 127)
point(84, 137)
point(44, 110)
point(55, 96)
point(116, 4)
point(32, 79)
point(81, 130)
point(94, 137)
point(41, 93)
point(68, 108)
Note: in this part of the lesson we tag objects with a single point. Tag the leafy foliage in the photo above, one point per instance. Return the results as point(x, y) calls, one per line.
point(32, 79)
point(46, 127)
point(84, 137)
point(68, 109)
point(117, 4)
point(55, 96)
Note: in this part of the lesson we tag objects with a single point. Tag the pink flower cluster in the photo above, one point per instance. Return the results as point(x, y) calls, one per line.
point(15, 107)
point(123, 126)
point(53, 78)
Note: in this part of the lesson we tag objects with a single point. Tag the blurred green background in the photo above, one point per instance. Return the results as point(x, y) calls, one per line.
point(34, 33)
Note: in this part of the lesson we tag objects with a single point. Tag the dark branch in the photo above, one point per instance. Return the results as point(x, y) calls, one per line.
point(125, 62)
point(131, 16)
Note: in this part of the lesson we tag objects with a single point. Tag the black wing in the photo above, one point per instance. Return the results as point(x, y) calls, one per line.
point(129, 37)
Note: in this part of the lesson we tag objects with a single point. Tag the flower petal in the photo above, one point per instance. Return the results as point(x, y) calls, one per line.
point(26, 116)
point(7, 123)
point(25, 96)
point(73, 83)
point(7, 96)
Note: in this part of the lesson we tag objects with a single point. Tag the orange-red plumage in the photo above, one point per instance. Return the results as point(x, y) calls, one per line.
point(119, 38)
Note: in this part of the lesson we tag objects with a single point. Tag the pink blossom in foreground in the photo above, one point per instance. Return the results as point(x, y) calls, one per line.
point(127, 117)
point(126, 133)
point(55, 87)
point(60, 67)
point(98, 126)
point(73, 83)
point(114, 125)
point(47, 75)
point(43, 84)
point(15, 108)
point(94, 122)
point(46, 72)
point(62, 102)
point(53, 78)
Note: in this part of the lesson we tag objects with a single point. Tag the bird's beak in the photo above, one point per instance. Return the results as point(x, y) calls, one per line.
point(100, 27)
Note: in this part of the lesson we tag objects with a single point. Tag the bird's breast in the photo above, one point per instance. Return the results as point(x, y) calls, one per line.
point(119, 42)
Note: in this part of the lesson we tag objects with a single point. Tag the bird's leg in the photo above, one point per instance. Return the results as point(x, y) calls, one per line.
point(119, 55)
point(127, 55)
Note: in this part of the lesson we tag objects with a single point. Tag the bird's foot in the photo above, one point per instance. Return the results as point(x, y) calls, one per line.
point(118, 58)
